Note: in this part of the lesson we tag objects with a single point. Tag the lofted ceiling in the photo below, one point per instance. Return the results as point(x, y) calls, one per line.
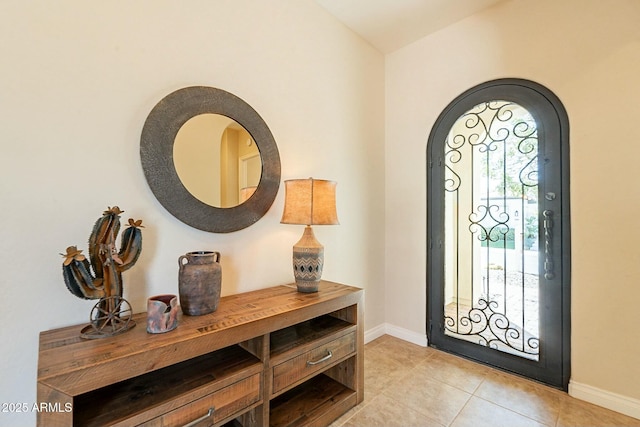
point(391, 24)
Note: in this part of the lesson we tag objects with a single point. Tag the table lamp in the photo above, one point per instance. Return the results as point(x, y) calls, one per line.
point(309, 202)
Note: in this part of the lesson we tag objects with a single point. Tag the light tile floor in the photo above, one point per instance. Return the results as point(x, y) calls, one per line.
point(407, 385)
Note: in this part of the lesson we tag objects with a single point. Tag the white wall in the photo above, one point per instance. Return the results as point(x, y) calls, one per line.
point(587, 53)
point(76, 84)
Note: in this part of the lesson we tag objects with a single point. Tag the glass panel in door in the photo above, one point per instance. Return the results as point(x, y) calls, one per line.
point(491, 283)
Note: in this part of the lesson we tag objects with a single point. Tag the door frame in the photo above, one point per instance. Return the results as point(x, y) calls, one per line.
point(510, 89)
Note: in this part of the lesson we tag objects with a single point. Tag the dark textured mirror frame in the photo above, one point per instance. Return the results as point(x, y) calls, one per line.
point(156, 153)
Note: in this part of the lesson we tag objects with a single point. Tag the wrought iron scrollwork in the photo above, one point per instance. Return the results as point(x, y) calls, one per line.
point(492, 328)
point(497, 228)
point(495, 143)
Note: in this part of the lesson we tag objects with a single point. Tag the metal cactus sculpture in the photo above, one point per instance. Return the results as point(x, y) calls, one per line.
point(100, 277)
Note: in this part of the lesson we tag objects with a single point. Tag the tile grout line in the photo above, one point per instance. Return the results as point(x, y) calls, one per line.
point(557, 415)
point(534, 385)
point(452, 386)
point(407, 407)
point(515, 412)
point(460, 411)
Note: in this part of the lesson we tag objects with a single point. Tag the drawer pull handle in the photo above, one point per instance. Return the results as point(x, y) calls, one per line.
point(324, 359)
point(202, 418)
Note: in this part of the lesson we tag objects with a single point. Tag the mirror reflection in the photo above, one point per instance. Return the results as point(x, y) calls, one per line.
point(217, 160)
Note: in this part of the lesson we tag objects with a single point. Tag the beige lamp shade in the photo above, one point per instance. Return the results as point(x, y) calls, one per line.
point(310, 202)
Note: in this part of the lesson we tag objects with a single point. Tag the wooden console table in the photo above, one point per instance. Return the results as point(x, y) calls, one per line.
point(271, 357)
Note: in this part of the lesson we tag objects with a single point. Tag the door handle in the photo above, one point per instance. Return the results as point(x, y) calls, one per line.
point(547, 224)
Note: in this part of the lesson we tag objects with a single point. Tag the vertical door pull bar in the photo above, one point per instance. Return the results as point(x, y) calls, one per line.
point(547, 223)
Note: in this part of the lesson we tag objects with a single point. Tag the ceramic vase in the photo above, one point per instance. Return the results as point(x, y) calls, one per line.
point(199, 282)
point(162, 313)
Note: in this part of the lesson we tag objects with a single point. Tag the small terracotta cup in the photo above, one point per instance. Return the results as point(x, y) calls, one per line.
point(162, 313)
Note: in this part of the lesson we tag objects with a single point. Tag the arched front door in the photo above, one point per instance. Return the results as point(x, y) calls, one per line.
point(498, 230)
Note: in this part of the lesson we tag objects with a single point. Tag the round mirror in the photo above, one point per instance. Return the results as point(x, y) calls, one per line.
point(169, 157)
point(217, 160)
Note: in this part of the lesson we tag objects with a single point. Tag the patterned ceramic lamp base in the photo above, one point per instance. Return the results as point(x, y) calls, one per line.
point(308, 259)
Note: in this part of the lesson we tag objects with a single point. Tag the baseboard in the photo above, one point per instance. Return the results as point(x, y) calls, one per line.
point(372, 334)
point(616, 402)
point(395, 331)
point(407, 335)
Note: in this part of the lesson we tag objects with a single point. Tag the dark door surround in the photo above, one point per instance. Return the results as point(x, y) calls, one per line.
point(553, 368)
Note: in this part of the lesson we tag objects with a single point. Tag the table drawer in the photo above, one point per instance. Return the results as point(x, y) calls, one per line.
point(312, 361)
point(225, 402)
